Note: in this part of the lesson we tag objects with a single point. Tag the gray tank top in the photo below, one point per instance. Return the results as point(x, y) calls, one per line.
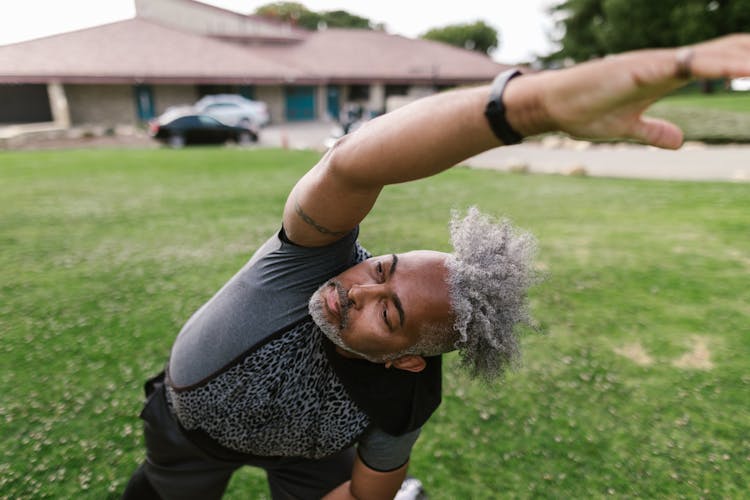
point(249, 369)
point(267, 295)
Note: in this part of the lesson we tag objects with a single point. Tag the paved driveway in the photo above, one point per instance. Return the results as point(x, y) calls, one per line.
point(562, 156)
point(301, 135)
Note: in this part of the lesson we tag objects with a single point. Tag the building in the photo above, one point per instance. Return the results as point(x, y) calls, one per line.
point(175, 51)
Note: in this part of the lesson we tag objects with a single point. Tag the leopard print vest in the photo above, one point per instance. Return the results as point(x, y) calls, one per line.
point(282, 399)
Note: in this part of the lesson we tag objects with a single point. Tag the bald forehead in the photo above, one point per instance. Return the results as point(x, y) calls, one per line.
point(426, 254)
point(421, 282)
point(420, 260)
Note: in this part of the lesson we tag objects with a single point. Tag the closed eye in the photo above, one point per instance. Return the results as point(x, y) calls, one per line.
point(380, 270)
point(385, 318)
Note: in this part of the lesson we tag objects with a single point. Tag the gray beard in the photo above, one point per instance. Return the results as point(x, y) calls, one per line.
point(317, 310)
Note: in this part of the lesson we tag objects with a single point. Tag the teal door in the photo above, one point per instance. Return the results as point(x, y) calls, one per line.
point(300, 103)
point(144, 102)
point(333, 101)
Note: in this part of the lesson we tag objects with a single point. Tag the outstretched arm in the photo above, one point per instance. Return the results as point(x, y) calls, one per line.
point(418, 140)
point(599, 99)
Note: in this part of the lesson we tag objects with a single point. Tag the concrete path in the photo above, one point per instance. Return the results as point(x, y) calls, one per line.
point(559, 155)
point(302, 135)
point(564, 156)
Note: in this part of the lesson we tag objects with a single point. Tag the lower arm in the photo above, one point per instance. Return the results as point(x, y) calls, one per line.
point(368, 484)
point(418, 140)
point(342, 492)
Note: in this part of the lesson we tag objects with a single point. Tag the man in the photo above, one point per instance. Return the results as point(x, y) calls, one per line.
point(313, 347)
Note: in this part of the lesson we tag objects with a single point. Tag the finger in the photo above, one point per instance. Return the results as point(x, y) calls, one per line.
point(728, 57)
point(657, 132)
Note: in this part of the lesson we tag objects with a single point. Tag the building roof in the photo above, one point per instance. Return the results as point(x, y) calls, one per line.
point(202, 18)
point(137, 50)
point(350, 55)
point(142, 51)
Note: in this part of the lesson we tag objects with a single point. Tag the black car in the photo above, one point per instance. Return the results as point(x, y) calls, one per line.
point(199, 129)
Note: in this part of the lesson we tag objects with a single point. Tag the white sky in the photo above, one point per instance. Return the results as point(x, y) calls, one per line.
point(522, 24)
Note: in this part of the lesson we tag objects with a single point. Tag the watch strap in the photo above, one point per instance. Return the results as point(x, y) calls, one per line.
point(495, 109)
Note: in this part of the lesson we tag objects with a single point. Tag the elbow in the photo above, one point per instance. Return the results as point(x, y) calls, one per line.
point(336, 158)
point(340, 164)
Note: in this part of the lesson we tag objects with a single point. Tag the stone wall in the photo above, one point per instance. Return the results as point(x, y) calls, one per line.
point(111, 105)
point(273, 96)
point(106, 105)
point(173, 95)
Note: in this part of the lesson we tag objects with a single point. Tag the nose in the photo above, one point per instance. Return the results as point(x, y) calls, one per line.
point(359, 295)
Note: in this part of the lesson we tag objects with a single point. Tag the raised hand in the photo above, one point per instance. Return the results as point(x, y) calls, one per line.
point(606, 98)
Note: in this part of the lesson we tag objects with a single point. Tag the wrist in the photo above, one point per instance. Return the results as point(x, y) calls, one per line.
point(524, 105)
point(495, 111)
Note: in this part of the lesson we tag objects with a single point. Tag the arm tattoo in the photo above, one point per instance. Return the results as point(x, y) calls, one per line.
point(309, 220)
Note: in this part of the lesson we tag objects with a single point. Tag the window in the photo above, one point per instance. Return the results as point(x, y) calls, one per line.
point(207, 120)
point(359, 92)
point(220, 106)
point(396, 90)
point(185, 121)
point(204, 90)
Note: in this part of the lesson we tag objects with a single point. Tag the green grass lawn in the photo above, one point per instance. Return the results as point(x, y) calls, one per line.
point(719, 117)
point(720, 100)
point(637, 386)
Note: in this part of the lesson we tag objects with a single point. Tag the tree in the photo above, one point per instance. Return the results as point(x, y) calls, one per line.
point(298, 14)
point(579, 21)
point(290, 12)
point(344, 19)
point(477, 36)
point(594, 28)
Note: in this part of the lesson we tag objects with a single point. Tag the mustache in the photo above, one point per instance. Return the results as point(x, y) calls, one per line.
point(344, 302)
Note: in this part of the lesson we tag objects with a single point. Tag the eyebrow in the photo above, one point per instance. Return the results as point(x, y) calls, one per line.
point(396, 300)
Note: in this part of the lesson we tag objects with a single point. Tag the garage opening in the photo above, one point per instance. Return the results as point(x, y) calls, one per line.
point(24, 103)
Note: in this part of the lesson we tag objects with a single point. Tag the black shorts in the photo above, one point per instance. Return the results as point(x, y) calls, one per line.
point(185, 465)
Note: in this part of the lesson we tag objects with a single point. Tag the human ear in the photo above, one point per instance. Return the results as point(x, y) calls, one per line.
point(410, 363)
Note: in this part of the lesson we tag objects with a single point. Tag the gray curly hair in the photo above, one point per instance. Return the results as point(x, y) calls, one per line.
point(489, 274)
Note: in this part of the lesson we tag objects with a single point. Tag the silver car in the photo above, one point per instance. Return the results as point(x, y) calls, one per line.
point(234, 110)
point(740, 84)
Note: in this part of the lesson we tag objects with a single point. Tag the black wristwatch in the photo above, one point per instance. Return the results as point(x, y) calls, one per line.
point(495, 110)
